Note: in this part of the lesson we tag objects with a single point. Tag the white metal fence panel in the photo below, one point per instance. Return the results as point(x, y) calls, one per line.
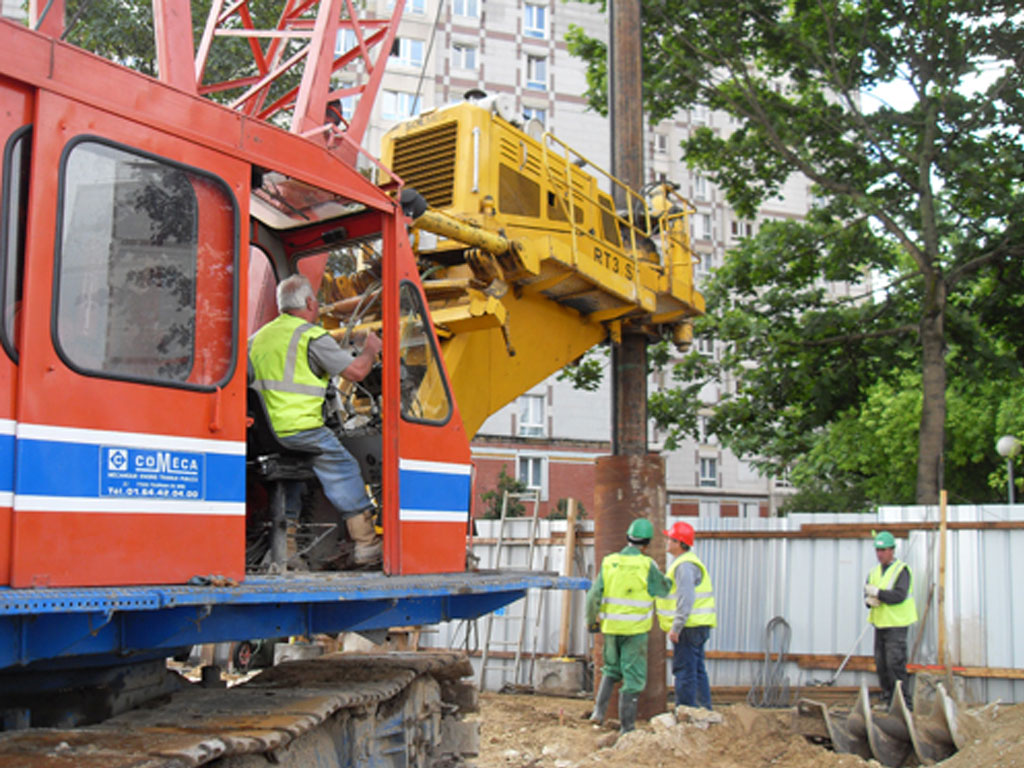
point(815, 585)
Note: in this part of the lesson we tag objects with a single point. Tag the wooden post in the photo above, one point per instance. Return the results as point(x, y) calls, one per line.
point(942, 579)
point(570, 551)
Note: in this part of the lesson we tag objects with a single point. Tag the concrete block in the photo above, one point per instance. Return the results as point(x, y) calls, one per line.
point(459, 737)
point(296, 651)
point(558, 676)
point(465, 696)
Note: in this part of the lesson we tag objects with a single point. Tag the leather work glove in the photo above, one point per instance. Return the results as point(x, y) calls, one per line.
point(872, 602)
point(870, 590)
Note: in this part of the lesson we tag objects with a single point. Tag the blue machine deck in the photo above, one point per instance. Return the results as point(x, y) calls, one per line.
point(49, 625)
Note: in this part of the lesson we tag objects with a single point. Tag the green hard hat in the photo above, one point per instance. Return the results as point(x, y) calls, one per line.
point(884, 540)
point(640, 530)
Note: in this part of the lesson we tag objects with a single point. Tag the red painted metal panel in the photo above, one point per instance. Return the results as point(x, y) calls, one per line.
point(97, 549)
point(437, 546)
point(17, 113)
point(88, 545)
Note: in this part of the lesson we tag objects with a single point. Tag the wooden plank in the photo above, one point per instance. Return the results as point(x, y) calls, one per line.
point(827, 661)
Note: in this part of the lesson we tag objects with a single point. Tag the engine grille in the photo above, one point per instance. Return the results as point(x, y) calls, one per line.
point(426, 161)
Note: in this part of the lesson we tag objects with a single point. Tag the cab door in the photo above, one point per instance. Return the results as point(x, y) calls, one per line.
point(16, 141)
point(431, 453)
point(130, 435)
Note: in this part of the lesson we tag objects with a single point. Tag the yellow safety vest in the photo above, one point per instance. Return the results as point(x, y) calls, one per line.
point(627, 608)
point(702, 614)
point(901, 614)
point(293, 394)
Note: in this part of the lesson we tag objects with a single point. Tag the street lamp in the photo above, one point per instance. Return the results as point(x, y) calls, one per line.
point(1007, 446)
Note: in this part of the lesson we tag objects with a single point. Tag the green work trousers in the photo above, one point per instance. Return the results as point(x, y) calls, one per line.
point(625, 659)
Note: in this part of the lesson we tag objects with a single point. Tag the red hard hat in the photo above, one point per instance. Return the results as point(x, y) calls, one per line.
point(681, 532)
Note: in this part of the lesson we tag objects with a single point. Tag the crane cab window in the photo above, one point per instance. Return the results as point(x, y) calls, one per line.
point(145, 268)
point(425, 396)
point(12, 231)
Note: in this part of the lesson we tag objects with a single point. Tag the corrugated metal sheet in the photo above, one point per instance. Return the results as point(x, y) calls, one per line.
point(815, 585)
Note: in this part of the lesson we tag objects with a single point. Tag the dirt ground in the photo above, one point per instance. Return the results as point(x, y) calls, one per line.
point(524, 731)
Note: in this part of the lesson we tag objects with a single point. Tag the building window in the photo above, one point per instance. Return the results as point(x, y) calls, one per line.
point(537, 73)
point(660, 143)
point(345, 41)
point(742, 229)
point(407, 52)
point(706, 230)
point(783, 481)
point(532, 474)
point(418, 7)
point(702, 267)
point(535, 21)
point(535, 113)
point(398, 105)
point(463, 56)
point(703, 435)
point(700, 187)
point(709, 473)
point(700, 114)
point(468, 8)
point(706, 347)
point(531, 416)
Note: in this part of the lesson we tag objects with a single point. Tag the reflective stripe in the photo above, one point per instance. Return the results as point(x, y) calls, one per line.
point(626, 601)
point(293, 352)
point(268, 385)
point(637, 617)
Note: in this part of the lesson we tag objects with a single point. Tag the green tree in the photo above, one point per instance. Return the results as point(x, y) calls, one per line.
point(123, 32)
point(495, 497)
point(561, 510)
point(922, 200)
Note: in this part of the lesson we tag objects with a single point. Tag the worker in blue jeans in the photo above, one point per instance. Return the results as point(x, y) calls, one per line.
point(687, 615)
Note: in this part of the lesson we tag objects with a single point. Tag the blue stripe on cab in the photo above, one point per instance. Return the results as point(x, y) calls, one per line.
point(436, 491)
point(225, 477)
point(47, 468)
point(55, 468)
point(7, 463)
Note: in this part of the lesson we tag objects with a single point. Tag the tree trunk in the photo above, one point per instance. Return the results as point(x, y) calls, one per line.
point(933, 384)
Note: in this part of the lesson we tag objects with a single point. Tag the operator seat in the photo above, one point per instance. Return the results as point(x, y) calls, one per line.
point(276, 465)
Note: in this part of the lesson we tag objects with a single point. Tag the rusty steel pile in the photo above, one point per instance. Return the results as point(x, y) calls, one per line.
point(931, 732)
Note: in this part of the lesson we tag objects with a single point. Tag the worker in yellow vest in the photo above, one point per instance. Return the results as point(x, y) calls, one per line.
point(292, 361)
point(620, 604)
point(687, 615)
point(889, 594)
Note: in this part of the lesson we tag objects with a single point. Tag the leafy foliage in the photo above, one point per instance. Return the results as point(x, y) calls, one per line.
point(907, 273)
point(561, 510)
point(123, 32)
point(494, 498)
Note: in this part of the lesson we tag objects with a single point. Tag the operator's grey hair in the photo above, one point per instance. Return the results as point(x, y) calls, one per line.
point(292, 293)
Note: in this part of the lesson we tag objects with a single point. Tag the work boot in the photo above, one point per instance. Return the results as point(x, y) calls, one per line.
point(368, 550)
point(604, 695)
point(627, 711)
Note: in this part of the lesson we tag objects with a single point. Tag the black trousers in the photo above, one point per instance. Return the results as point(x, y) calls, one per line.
point(891, 660)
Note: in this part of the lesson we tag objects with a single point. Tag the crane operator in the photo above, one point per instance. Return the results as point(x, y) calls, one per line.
point(292, 362)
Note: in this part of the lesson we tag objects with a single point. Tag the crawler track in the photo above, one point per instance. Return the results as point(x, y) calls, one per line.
point(340, 710)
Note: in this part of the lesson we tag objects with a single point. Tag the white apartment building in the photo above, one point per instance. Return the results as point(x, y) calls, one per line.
point(517, 47)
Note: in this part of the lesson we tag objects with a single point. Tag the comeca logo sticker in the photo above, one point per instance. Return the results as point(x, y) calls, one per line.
point(117, 459)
